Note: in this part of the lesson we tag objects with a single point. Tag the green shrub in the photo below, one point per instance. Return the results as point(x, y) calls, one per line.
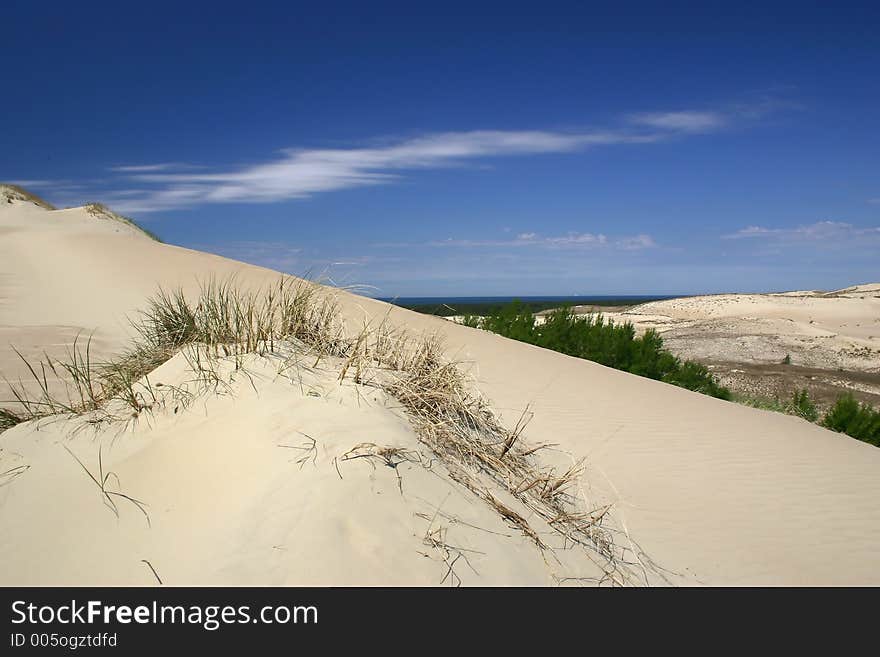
point(594, 338)
point(803, 406)
point(513, 321)
point(696, 377)
point(763, 403)
point(854, 419)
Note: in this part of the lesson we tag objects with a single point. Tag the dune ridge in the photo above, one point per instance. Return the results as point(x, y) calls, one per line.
point(712, 492)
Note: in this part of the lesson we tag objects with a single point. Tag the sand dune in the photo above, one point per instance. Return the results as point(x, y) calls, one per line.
point(816, 329)
point(712, 492)
point(829, 342)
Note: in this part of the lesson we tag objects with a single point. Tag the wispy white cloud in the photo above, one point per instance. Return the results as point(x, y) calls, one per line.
point(696, 121)
point(302, 172)
point(828, 232)
point(299, 173)
point(575, 239)
point(568, 241)
point(684, 121)
point(636, 242)
point(44, 183)
point(147, 168)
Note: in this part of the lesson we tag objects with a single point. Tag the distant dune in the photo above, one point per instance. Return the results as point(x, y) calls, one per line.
point(830, 341)
point(824, 329)
point(318, 470)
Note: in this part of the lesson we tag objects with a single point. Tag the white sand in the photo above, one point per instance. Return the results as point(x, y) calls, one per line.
point(839, 329)
point(714, 492)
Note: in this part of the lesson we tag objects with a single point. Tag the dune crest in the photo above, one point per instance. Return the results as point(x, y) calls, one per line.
point(713, 492)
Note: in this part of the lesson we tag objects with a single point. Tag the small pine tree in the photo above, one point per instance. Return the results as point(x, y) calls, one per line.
point(512, 321)
point(854, 419)
point(803, 406)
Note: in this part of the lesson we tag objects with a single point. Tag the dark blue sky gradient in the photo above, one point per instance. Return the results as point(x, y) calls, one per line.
point(781, 105)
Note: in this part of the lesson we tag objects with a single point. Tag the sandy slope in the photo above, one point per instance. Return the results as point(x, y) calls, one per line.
point(770, 345)
point(715, 493)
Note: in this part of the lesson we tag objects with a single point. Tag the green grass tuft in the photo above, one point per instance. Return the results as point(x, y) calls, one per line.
point(802, 406)
point(223, 321)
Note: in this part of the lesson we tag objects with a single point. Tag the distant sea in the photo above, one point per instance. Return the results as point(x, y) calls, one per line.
point(599, 299)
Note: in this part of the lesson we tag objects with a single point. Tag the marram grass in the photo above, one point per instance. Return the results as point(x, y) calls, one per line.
point(224, 326)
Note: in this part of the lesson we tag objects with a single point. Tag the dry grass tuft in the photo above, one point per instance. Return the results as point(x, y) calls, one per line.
point(390, 457)
point(223, 322)
point(102, 211)
point(9, 419)
point(11, 193)
point(436, 539)
point(12, 473)
point(459, 427)
point(102, 480)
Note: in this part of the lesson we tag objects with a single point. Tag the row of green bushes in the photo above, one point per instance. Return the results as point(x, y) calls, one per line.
point(594, 338)
point(616, 345)
point(448, 307)
point(847, 415)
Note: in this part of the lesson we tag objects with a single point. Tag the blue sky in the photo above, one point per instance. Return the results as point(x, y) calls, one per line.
point(466, 149)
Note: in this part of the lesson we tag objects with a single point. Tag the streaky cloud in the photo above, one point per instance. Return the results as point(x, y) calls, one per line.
point(684, 121)
point(144, 168)
point(829, 232)
point(523, 240)
point(300, 173)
